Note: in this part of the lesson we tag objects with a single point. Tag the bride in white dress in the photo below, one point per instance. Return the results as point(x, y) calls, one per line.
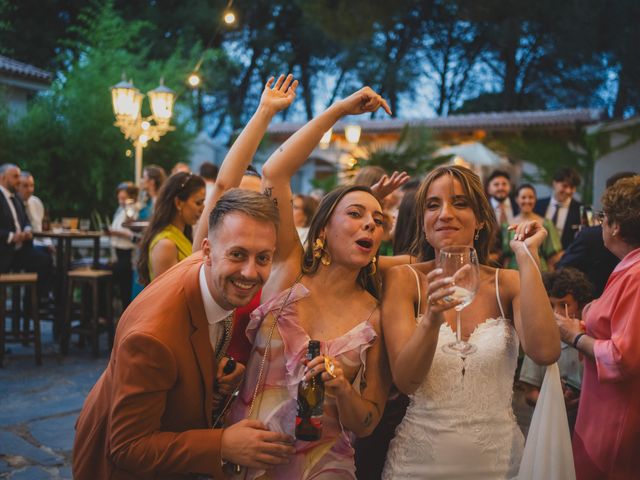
point(460, 422)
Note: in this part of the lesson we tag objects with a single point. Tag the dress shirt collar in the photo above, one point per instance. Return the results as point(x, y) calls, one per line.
point(214, 312)
point(495, 203)
point(564, 204)
point(6, 193)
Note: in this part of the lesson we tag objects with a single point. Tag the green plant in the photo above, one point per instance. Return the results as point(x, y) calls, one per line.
point(413, 153)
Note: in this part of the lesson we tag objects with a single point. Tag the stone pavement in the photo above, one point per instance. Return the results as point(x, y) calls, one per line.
point(39, 407)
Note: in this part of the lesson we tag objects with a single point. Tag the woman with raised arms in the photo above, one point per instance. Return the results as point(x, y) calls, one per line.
point(326, 292)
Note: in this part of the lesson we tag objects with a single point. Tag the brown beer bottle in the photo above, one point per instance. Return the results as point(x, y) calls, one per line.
point(310, 401)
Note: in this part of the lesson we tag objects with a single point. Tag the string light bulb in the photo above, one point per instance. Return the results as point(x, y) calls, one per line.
point(229, 17)
point(194, 80)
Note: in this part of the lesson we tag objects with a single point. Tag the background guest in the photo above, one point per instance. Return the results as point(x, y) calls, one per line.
point(153, 176)
point(550, 250)
point(16, 238)
point(122, 241)
point(562, 209)
point(498, 189)
point(167, 239)
point(209, 173)
point(35, 211)
point(569, 291)
point(180, 167)
point(587, 252)
point(304, 207)
point(607, 432)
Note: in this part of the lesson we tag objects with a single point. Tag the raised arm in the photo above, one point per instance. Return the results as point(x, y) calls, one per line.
point(275, 98)
point(533, 317)
point(285, 162)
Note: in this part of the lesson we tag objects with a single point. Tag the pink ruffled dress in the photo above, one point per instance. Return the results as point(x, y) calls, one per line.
point(331, 457)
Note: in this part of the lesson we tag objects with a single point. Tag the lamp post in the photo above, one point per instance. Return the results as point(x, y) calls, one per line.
point(127, 104)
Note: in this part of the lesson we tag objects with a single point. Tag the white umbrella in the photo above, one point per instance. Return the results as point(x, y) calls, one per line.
point(473, 153)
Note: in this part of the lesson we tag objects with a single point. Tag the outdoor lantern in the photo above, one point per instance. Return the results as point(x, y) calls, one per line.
point(127, 101)
point(326, 139)
point(161, 99)
point(352, 134)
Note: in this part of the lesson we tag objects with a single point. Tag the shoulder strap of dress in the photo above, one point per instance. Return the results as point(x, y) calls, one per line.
point(498, 294)
point(415, 274)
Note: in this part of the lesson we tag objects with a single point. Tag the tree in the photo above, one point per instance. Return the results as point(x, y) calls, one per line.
point(67, 139)
point(413, 153)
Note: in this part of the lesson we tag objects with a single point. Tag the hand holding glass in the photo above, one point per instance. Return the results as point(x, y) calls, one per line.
point(461, 264)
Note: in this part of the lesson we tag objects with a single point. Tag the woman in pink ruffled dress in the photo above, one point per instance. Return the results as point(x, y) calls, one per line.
point(327, 292)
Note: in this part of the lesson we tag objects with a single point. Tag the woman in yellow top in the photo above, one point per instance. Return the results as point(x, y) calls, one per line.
point(167, 240)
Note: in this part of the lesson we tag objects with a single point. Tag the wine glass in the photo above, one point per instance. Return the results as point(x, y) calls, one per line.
point(460, 263)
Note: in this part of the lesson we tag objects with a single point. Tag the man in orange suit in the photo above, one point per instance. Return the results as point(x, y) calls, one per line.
point(150, 413)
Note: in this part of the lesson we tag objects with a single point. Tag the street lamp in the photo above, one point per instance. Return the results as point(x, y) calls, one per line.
point(127, 104)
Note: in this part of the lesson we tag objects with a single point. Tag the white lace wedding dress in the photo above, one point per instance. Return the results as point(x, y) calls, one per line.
point(460, 422)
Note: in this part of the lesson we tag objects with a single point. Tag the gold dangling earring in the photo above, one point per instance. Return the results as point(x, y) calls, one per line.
point(477, 234)
point(319, 252)
point(318, 246)
point(325, 258)
point(373, 268)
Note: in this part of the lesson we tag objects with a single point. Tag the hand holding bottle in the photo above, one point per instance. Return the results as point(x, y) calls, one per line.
point(331, 373)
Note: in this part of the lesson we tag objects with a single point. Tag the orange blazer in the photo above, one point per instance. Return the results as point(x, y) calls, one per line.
point(149, 414)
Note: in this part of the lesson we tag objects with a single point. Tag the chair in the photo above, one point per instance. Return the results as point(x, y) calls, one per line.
point(90, 281)
point(17, 281)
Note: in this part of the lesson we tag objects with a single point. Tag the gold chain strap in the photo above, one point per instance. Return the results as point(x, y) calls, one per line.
point(267, 349)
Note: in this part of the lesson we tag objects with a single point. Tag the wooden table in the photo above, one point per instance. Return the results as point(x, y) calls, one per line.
point(65, 239)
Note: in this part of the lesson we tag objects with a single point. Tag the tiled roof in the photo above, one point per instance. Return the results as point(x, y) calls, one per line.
point(489, 121)
point(13, 67)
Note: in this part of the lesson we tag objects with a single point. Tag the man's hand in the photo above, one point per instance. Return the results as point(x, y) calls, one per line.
point(19, 237)
point(281, 95)
point(248, 443)
point(227, 384)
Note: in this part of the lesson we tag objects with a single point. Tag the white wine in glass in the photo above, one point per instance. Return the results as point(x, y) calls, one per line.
point(460, 263)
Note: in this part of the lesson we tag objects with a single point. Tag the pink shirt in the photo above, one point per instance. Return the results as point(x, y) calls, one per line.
point(606, 441)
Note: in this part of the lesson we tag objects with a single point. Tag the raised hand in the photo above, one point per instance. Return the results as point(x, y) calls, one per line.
point(530, 234)
point(279, 95)
point(363, 101)
point(387, 185)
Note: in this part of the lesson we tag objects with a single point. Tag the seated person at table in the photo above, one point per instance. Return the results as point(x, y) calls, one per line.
point(167, 239)
point(569, 291)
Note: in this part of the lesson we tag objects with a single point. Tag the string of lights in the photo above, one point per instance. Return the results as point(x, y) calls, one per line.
point(228, 18)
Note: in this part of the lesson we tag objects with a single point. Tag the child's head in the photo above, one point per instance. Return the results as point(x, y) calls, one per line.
point(569, 291)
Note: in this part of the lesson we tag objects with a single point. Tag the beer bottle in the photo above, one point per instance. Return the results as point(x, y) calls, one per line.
point(310, 401)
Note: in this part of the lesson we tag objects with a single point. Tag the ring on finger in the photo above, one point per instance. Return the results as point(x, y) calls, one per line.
point(330, 367)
